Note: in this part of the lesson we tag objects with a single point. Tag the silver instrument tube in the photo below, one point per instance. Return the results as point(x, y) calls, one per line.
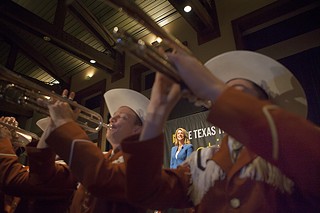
point(19, 130)
point(18, 90)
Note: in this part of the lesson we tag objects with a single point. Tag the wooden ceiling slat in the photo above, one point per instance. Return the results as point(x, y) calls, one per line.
point(61, 39)
point(160, 10)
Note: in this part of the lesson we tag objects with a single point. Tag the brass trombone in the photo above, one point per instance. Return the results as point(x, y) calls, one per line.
point(18, 90)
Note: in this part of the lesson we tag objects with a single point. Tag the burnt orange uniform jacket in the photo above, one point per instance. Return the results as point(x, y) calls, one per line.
point(102, 176)
point(278, 170)
point(44, 187)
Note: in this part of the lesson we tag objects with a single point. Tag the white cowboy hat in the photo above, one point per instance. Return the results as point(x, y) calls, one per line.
point(280, 84)
point(116, 98)
point(43, 123)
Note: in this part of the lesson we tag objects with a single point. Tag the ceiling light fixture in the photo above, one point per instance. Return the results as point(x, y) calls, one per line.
point(92, 61)
point(46, 38)
point(187, 9)
point(157, 42)
point(89, 75)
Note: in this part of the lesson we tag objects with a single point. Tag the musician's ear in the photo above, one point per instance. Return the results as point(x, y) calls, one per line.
point(137, 129)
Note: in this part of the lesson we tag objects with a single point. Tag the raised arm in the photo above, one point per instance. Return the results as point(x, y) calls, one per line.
point(98, 174)
point(286, 140)
point(41, 178)
point(147, 183)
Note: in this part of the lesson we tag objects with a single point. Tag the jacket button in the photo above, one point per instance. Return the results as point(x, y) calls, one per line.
point(235, 202)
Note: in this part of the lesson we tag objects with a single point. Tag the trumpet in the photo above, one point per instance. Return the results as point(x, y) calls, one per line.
point(151, 56)
point(18, 90)
point(22, 132)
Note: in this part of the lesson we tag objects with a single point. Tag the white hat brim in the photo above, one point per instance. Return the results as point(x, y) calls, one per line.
point(43, 123)
point(280, 84)
point(116, 98)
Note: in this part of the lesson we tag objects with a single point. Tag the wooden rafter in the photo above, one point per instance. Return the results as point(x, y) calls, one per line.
point(17, 15)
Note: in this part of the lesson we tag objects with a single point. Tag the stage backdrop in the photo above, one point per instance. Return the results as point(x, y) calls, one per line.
point(201, 133)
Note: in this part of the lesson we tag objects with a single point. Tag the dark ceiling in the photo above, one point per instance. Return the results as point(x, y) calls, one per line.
point(51, 40)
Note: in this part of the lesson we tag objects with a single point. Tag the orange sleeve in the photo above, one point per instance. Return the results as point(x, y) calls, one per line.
point(294, 150)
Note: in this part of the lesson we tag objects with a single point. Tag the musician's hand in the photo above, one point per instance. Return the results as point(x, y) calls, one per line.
point(60, 113)
point(6, 132)
point(65, 94)
point(10, 121)
point(59, 110)
point(164, 96)
point(196, 76)
point(70, 96)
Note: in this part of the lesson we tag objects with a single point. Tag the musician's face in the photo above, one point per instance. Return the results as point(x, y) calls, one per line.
point(123, 123)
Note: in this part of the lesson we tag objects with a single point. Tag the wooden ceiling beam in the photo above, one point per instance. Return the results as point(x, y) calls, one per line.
point(83, 14)
point(60, 14)
point(34, 55)
point(19, 16)
point(12, 57)
point(203, 18)
point(203, 14)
